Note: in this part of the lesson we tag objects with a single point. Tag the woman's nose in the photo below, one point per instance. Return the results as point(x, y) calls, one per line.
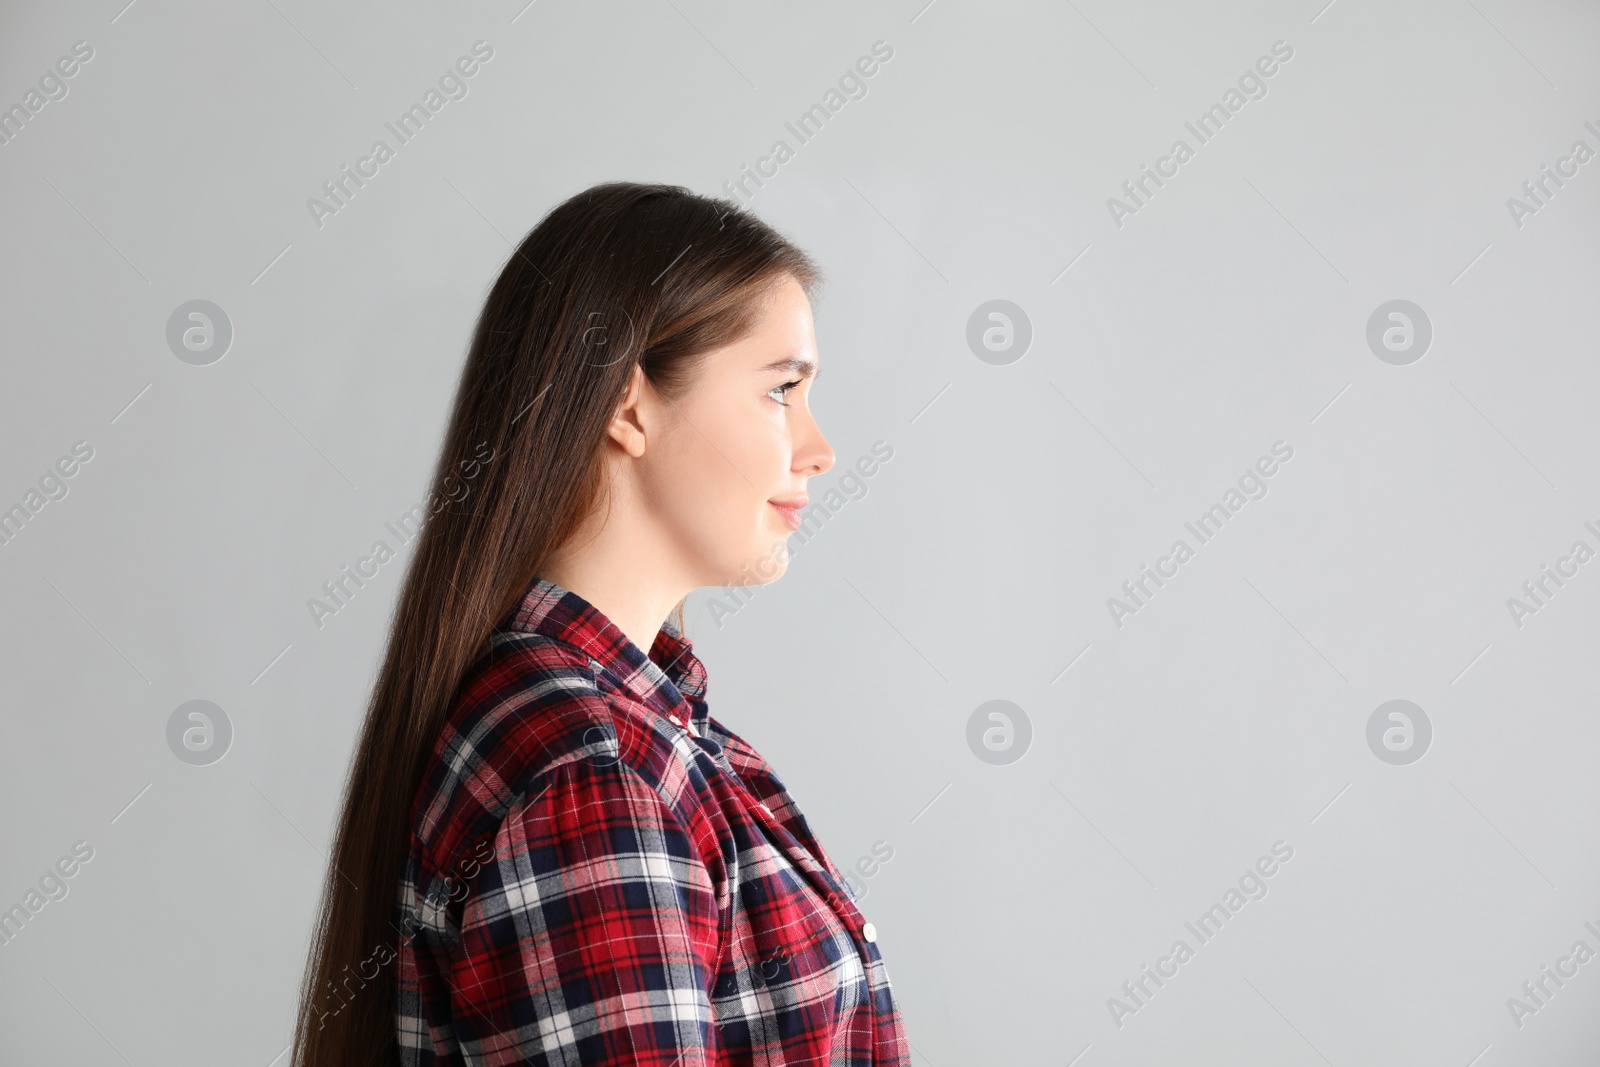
point(816, 455)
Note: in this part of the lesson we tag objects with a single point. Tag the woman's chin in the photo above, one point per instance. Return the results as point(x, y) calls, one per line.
point(767, 567)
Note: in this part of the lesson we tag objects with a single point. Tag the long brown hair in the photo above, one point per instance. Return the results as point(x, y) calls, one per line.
point(620, 275)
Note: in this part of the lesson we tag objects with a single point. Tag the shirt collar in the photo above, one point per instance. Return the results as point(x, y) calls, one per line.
point(668, 677)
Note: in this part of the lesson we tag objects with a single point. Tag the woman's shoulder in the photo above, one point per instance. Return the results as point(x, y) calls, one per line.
point(527, 697)
point(527, 708)
point(527, 705)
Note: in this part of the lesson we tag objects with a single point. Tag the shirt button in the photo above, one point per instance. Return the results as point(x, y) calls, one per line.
point(869, 932)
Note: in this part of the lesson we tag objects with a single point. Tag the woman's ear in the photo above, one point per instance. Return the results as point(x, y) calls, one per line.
point(627, 425)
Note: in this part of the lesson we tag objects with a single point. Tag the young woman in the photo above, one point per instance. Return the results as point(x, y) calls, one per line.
point(550, 852)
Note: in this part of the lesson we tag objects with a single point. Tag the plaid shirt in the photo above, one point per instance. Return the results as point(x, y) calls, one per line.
point(602, 873)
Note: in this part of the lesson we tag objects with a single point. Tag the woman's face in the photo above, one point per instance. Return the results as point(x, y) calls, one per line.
point(739, 448)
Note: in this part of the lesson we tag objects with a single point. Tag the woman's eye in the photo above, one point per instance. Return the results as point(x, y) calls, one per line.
point(784, 389)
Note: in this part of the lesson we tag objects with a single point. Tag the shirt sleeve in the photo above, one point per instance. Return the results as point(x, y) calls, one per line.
point(592, 936)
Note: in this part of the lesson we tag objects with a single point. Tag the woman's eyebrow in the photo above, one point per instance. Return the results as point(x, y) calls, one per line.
point(794, 364)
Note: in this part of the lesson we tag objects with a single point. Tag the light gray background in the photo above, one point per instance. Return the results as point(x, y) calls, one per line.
point(1229, 313)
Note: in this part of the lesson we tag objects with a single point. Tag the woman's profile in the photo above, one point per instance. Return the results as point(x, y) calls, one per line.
point(549, 851)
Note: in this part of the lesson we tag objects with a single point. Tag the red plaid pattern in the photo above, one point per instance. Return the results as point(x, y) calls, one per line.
point(602, 873)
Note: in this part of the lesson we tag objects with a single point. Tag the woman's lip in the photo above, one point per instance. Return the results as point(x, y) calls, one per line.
point(790, 510)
